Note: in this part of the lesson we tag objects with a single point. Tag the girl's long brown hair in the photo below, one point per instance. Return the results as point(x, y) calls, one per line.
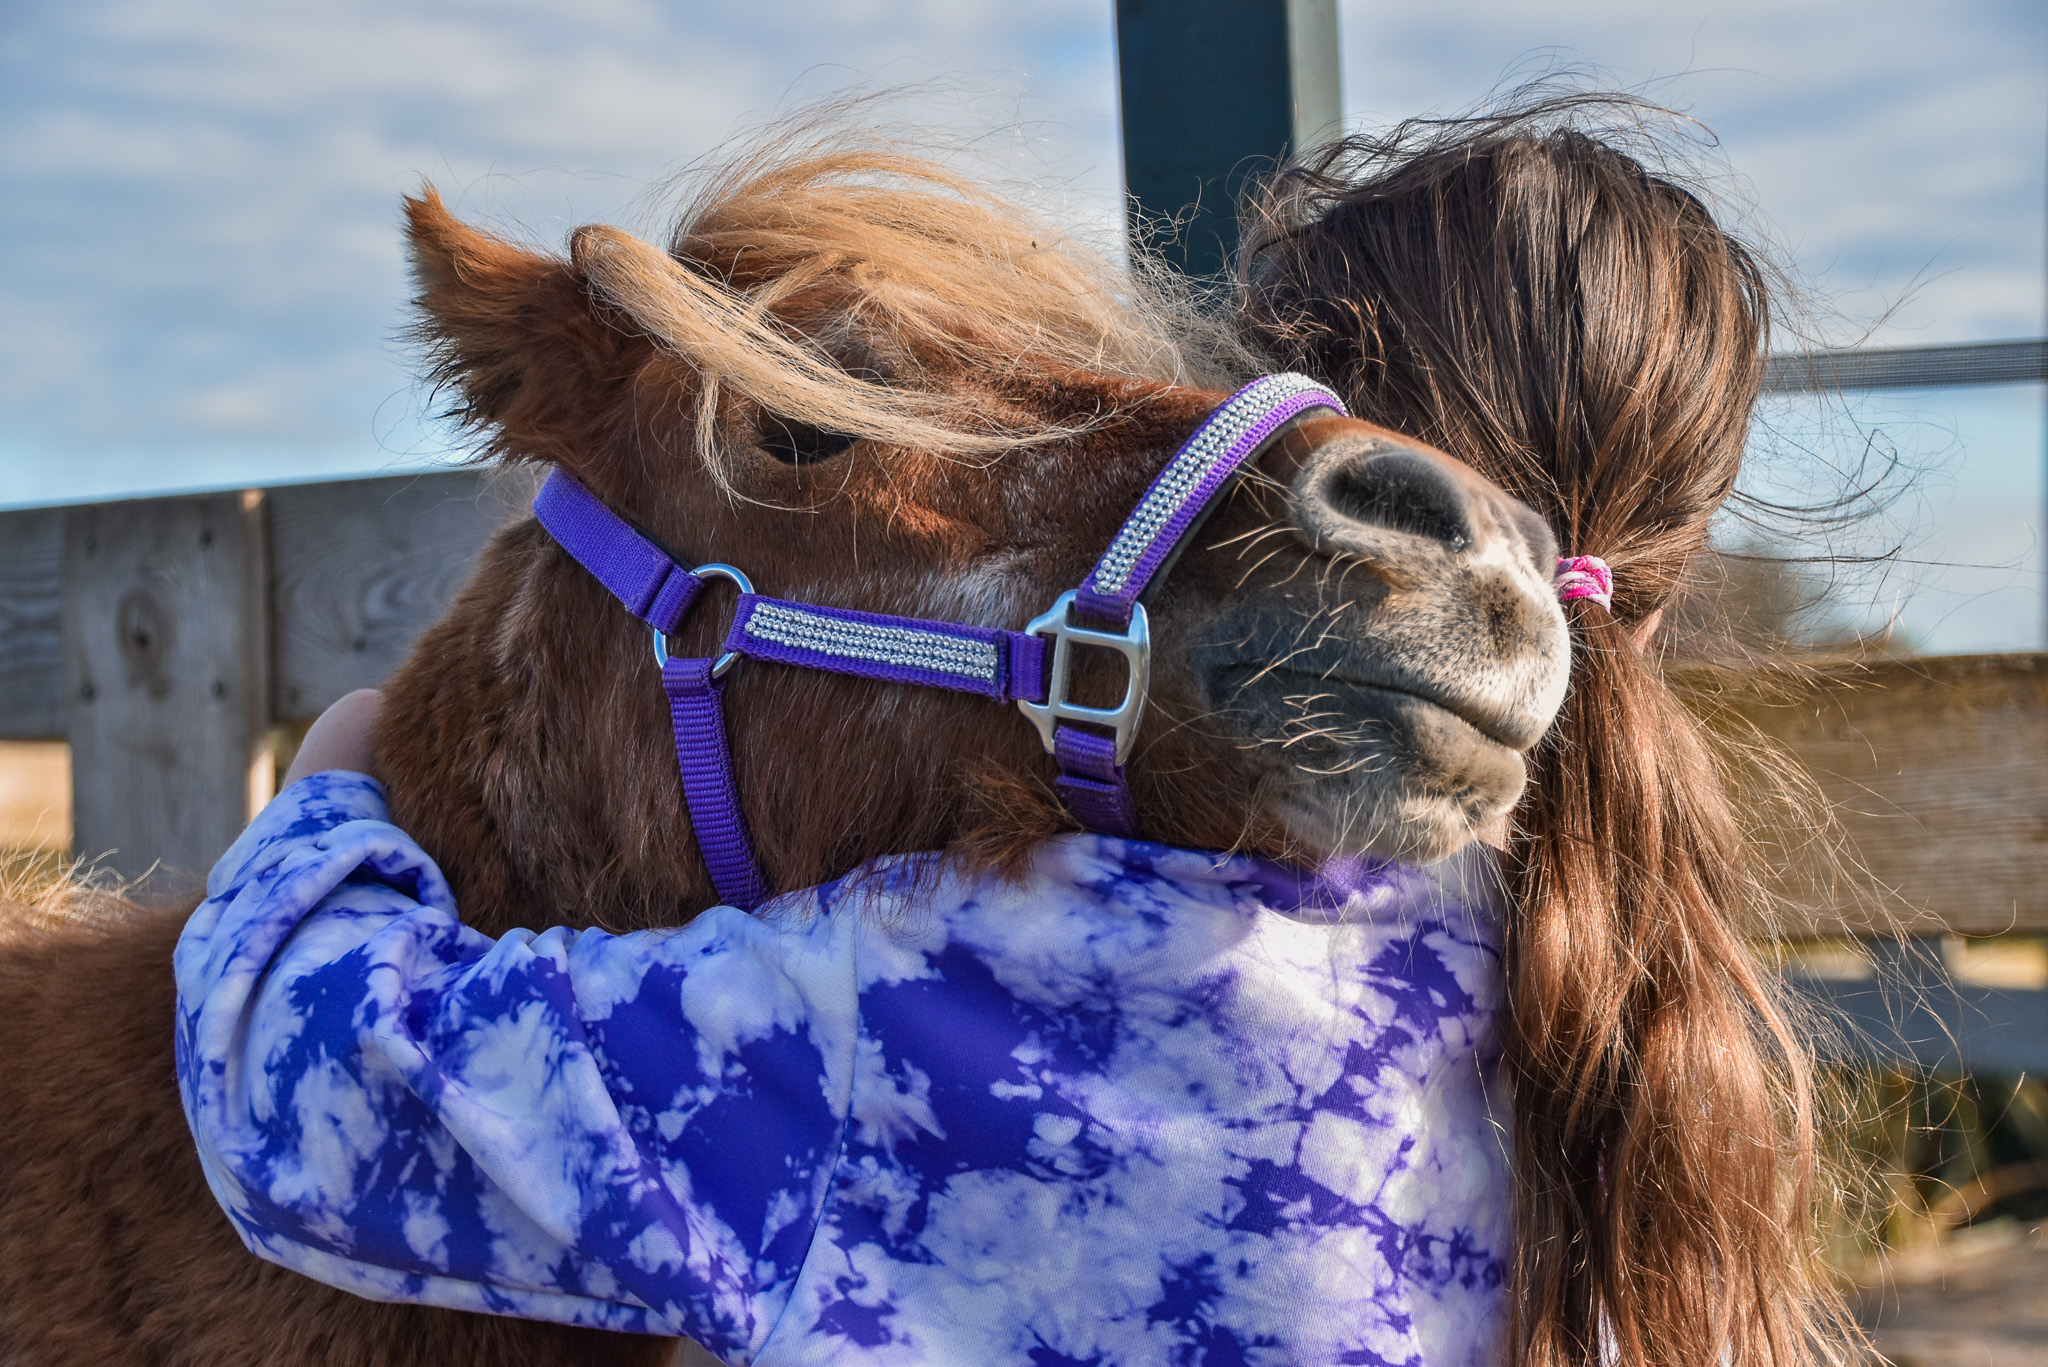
point(1579, 328)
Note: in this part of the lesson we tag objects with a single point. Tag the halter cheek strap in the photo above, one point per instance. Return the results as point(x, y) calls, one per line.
point(1092, 781)
point(1031, 668)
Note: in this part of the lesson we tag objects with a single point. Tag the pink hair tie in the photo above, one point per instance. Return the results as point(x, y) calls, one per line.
point(1585, 576)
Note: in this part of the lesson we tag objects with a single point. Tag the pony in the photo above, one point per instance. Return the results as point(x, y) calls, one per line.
point(874, 384)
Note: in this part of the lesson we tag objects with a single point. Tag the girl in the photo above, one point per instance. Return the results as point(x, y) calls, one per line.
point(1583, 332)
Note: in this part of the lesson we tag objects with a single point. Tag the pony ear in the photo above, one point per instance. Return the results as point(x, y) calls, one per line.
point(513, 335)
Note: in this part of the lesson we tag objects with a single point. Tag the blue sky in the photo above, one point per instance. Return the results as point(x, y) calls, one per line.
point(201, 280)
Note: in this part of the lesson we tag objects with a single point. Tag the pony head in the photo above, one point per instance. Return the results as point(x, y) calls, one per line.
point(872, 385)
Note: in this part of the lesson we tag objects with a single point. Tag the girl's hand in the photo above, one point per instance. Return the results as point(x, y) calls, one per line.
point(340, 739)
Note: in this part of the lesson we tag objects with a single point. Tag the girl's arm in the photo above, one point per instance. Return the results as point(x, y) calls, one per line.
point(392, 1103)
point(339, 738)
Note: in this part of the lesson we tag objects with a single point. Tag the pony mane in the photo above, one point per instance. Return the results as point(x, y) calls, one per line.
point(953, 275)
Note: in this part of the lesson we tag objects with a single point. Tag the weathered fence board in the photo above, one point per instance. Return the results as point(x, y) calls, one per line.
point(1939, 767)
point(31, 642)
point(1911, 1004)
point(166, 678)
point(360, 568)
point(162, 637)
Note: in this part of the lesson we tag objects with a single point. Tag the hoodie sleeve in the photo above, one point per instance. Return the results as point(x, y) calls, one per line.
point(391, 1103)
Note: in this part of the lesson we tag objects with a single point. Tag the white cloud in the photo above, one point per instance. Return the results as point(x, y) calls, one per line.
point(1896, 150)
point(204, 199)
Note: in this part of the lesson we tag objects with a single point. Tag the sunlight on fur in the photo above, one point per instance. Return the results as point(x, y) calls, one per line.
point(908, 249)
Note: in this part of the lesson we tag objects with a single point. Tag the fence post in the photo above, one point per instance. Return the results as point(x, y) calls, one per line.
point(31, 652)
point(167, 678)
point(1215, 91)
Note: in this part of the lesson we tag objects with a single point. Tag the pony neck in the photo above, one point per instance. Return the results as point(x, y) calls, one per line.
point(513, 751)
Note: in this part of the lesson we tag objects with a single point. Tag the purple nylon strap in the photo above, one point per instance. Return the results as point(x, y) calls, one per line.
point(998, 664)
point(660, 592)
point(704, 753)
point(1094, 785)
point(1008, 666)
point(639, 573)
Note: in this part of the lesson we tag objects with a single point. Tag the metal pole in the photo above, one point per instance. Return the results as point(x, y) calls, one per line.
point(1213, 93)
point(2023, 360)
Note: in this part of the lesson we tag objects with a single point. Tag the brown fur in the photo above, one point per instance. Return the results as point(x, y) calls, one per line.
point(1336, 670)
point(560, 737)
point(111, 1248)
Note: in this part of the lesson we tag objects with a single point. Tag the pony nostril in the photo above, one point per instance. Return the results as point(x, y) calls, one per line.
point(1403, 491)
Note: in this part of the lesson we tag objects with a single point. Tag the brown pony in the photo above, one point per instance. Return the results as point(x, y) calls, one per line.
point(874, 386)
point(1581, 331)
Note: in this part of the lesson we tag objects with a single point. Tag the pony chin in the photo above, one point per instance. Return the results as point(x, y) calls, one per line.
point(1416, 783)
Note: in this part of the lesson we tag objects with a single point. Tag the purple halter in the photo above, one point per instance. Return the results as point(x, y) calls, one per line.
point(1006, 666)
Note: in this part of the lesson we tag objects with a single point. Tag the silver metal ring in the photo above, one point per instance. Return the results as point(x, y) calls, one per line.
point(731, 657)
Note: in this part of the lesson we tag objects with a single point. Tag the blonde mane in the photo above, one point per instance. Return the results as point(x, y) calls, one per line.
point(947, 270)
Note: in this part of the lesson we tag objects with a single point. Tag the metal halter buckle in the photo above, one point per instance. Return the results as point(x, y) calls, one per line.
point(731, 657)
point(1134, 643)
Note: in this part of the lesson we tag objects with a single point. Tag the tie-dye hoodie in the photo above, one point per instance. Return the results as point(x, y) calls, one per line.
point(1140, 1106)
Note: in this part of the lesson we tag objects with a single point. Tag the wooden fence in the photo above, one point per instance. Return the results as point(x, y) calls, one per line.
point(165, 638)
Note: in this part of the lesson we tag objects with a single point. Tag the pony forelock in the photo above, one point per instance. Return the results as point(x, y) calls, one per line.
point(908, 250)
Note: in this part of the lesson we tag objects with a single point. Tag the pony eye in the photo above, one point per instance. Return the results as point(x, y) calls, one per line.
point(799, 443)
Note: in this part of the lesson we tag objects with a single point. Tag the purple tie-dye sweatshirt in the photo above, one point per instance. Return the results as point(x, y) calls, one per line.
point(1142, 1106)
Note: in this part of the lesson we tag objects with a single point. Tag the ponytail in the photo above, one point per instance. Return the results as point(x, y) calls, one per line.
point(1663, 1109)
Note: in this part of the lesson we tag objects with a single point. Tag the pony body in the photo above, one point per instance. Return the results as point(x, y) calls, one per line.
point(873, 386)
point(1351, 659)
